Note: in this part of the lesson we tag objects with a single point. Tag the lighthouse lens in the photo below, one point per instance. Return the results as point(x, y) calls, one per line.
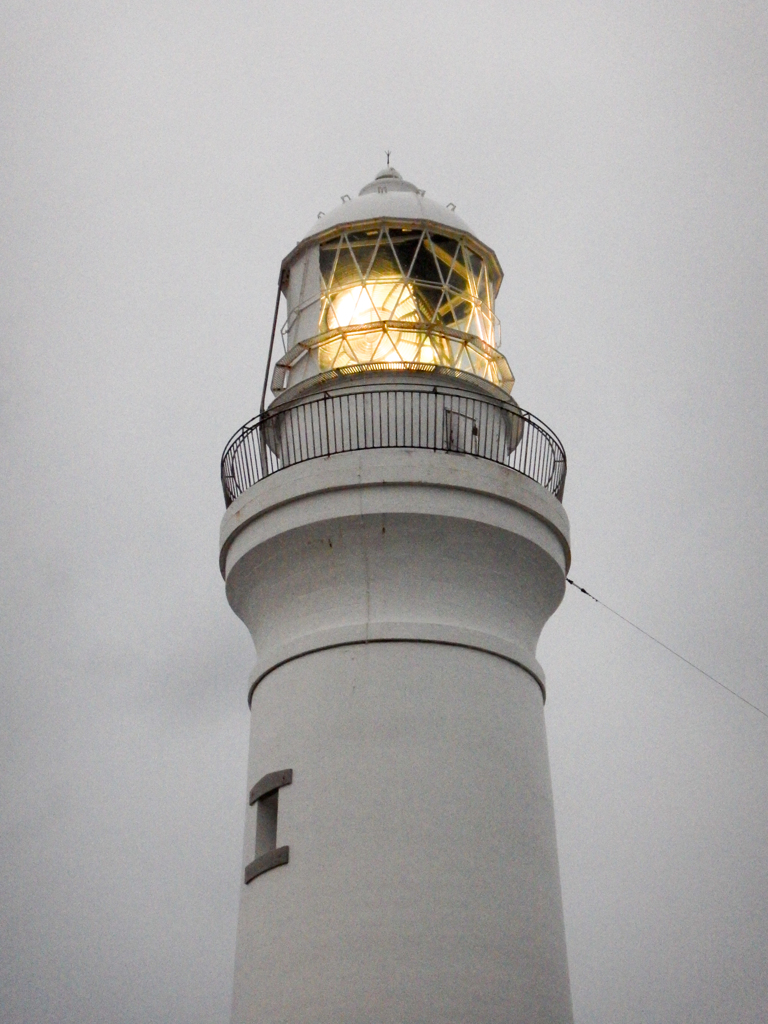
point(372, 302)
point(409, 275)
point(398, 296)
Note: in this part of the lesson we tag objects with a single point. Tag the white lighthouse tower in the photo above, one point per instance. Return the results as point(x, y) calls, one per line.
point(395, 541)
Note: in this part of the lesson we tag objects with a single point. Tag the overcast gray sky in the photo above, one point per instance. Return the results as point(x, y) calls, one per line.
point(159, 159)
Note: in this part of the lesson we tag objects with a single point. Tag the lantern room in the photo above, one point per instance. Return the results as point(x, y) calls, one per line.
point(390, 341)
point(390, 280)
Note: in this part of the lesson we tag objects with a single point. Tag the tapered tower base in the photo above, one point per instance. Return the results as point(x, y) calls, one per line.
point(395, 599)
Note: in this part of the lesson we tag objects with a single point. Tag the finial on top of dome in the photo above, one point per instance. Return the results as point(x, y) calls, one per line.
point(388, 179)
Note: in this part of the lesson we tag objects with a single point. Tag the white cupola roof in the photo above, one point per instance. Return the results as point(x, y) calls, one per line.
point(389, 197)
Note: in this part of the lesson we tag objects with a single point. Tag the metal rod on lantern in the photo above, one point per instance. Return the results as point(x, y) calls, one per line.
point(271, 345)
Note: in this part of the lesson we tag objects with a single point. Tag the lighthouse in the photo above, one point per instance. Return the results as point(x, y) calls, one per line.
point(395, 541)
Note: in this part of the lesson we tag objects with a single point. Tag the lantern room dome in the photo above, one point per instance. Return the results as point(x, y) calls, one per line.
point(390, 279)
point(388, 197)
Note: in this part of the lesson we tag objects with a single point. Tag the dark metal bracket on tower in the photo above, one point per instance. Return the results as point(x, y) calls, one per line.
point(264, 794)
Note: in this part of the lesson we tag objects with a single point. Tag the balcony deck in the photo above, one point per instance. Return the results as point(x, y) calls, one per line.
point(440, 417)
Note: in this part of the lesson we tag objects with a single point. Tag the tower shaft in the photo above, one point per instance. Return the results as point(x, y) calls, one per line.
point(395, 598)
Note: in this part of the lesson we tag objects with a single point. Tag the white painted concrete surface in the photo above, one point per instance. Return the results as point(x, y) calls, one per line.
point(395, 599)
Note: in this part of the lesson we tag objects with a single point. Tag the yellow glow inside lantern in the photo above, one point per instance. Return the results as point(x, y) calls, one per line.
point(372, 302)
point(402, 298)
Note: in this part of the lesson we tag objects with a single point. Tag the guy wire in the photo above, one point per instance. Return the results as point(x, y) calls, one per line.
point(666, 647)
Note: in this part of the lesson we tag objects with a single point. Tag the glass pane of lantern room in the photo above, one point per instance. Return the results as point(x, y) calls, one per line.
point(385, 264)
point(425, 266)
point(445, 250)
point(345, 271)
point(404, 246)
point(328, 253)
point(455, 311)
point(364, 245)
point(428, 299)
point(401, 302)
point(474, 262)
point(484, 289)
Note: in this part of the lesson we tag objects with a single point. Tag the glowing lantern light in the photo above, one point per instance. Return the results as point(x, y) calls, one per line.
point(395, 281)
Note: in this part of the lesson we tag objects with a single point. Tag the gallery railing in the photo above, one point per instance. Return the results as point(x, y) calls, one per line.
point(436, 418)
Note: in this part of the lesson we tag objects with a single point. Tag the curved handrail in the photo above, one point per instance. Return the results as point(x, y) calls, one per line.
point(438, 418)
